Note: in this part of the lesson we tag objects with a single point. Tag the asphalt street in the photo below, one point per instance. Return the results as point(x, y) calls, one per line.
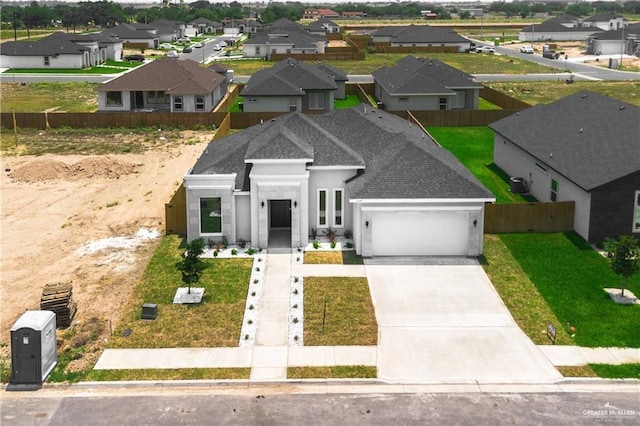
point(288, 404)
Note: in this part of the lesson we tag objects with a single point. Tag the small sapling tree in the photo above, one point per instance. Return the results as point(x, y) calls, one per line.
point(624, 257)
point(191, 266)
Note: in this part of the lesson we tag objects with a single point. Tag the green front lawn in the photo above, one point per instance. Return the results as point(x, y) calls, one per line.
point(571, 276)
point(473, 146)
point(94, 70)
point(213, 323)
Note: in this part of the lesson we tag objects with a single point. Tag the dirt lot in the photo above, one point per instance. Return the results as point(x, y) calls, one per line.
point(92, 220)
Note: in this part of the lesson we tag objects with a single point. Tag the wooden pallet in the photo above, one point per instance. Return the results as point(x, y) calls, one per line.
point(58, 298)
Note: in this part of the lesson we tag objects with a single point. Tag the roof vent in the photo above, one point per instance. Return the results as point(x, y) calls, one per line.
point(581, 129)
point(273, 120)
point(551, 155)
point(206, 152)
point(622, 107)
point(584, 96)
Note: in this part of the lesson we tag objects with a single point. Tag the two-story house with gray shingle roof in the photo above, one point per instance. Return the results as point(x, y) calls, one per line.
point(583, 148)
point(293, 85)
point(284, 37)
point(422, 84)
point(166, 84)
point(360, 169)
point(421, 36)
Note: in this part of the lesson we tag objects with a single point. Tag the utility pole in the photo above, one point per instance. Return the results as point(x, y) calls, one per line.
point(622, 47)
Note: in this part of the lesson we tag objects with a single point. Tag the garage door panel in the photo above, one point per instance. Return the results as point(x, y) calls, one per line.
point(419, 233)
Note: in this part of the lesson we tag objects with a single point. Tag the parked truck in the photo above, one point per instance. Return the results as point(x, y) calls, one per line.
point(548, 52)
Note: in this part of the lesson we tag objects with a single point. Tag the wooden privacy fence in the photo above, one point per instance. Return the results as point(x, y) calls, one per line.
point(457, 117)
point(528, 217)
point(387, 48)
point(502, 100)
point(337, 56)
point(175, 213)
point(128, 119)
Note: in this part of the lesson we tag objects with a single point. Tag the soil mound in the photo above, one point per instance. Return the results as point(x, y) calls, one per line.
point(46, 169)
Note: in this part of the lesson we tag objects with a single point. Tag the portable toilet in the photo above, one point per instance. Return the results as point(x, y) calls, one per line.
point(33, 347)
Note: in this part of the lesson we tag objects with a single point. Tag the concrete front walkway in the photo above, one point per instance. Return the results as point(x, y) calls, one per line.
point(437, 324)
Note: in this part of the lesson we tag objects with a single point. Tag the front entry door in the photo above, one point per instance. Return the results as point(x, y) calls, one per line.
point(280, 213)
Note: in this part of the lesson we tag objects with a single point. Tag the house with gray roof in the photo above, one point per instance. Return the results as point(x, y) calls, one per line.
point(168, 31)
point(583, 148)
point(284, 37)
point(293, 85)
point(203, 26)
point(359, 170)
point(61, 50)
point(423, 84)
point(615, 42)
point(606, 22)
point(420, 36)
point(166, 84)
point(141, 34)
point(323, 26)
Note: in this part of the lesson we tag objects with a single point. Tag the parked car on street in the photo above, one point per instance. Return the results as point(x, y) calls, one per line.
point(198, 45)
point(550, 54)
point(217, 47)
point(526, 49)
point(187, 49)
point(485, 49)
point(184, 40)
point(173, 54)
point(136, 57)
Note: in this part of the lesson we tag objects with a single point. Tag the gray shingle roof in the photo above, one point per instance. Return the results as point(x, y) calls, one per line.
point(289, 77)
point(589, 138)
point(396, 159)
point(420, 34)
point(169, 75)
point(132, 31)
point(413, 75)
point(58, 43)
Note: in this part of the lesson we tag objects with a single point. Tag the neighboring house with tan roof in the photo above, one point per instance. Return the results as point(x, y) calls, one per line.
point(166, 84)
point(583, 148)
point(293, 85)
point(422, 84)
point(360, 170)
point(61, 50)
point(319, 13)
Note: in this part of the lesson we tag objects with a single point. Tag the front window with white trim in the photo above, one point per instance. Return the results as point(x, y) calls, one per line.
point(211, 215)
point(322, 208)
point(338, 208)
point(636, 212)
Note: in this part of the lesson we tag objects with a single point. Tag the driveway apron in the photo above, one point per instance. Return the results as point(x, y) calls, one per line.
point(446, 323)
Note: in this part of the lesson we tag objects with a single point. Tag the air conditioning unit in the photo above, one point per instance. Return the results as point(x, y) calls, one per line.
point(518, 185)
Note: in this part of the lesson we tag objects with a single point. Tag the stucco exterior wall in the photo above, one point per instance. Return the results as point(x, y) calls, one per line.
point(201, 186)
point(279, 180)
point(330, 180)
point(612, 209)
point(538, 176)
point(555, 36)
point(243, 215)
point(271, 103)
point(59, 61)
point(412, 102)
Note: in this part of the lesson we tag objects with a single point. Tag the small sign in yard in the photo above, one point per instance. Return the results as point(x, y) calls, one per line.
point(551, 332)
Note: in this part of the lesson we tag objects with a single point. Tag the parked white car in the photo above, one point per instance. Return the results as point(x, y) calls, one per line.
point(526, 49)
point(485, 49)
point(184, 40)
point(217, 47)
point(173, 54)
point(197, 45)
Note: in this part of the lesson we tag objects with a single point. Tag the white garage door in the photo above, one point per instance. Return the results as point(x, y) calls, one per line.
point(419, 233)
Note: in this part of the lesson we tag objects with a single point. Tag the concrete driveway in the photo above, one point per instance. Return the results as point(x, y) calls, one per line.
point(446, 323)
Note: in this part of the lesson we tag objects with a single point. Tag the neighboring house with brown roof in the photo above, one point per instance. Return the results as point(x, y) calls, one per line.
point(360, 170)
point(319, 13)
point(167, 84)
point(61, 50)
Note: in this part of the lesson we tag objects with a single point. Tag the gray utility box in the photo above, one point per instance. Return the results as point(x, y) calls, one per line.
point(33, 347)
point(149, 311)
